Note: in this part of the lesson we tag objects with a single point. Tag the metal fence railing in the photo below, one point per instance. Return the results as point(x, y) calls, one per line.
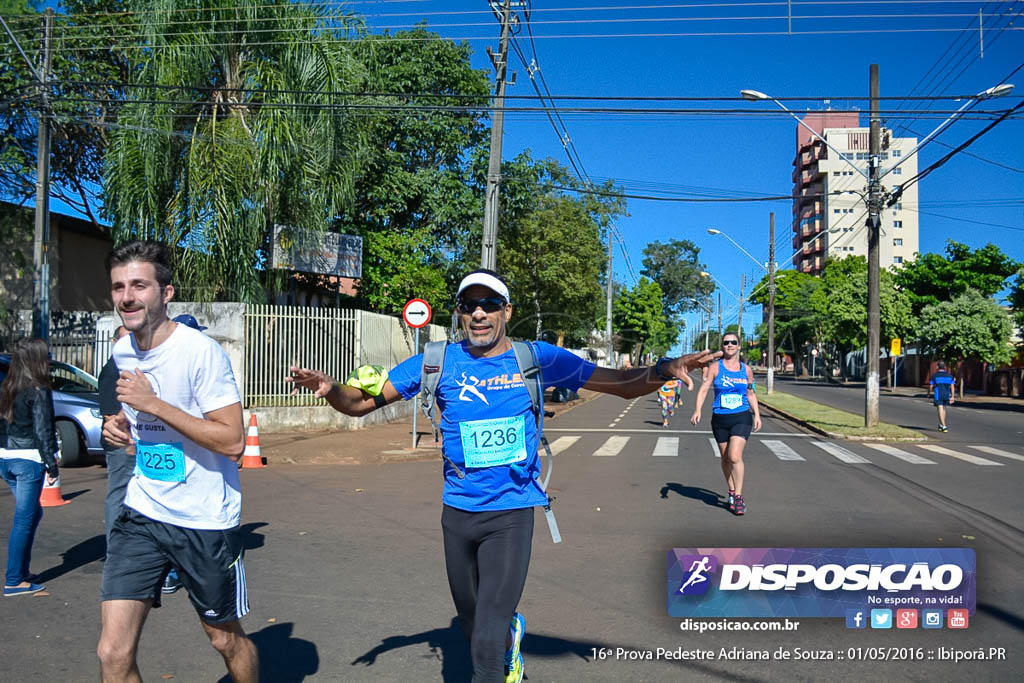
point(329, 339)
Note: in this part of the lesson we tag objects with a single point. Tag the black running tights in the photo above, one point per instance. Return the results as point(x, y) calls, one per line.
point(487, 555)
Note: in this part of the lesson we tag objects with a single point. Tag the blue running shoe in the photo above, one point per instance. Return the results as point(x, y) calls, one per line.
point(513, 658)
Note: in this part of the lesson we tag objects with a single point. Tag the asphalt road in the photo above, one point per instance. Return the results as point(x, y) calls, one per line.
point(994, 423)
point(347, 582)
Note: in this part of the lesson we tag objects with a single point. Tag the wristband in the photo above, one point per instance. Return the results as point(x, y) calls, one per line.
point(379, 401)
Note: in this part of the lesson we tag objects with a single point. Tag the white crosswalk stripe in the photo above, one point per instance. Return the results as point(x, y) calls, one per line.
point(563, 443)
point(781, 450)
point(902, 455)
point(841, 453)
point(973, 459)
point(612, 446)
point(998, 451)
point(666, 446)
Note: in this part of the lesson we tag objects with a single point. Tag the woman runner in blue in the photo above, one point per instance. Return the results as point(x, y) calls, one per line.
point(731, 419)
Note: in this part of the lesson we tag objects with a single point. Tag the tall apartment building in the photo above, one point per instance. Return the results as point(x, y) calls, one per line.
point(827, 224)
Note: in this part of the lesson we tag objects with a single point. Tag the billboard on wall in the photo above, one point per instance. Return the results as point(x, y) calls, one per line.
point(326, 253)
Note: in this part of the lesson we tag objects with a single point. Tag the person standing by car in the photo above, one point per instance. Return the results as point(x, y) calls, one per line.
point(26, 422)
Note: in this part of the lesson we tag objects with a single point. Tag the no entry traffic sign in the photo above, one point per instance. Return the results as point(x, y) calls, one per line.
point(416, 313)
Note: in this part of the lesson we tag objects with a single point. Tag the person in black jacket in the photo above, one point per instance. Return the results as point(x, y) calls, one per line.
point(120, 465)
point(30, 453)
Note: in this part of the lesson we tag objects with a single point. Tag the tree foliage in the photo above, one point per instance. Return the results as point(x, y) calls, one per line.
point(558, 288)
point(215, 159)
point(638, 316)
point(675, 265)
point(933, 278)
point(971, 325)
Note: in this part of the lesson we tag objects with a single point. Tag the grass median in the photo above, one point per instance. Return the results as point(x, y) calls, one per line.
point(831, 419)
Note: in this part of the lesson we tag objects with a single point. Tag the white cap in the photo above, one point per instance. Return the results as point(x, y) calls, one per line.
point(487, 280)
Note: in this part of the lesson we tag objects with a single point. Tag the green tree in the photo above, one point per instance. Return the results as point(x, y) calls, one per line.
point(932, 278)
point(840, 306)
point(415, 187)
point(676, 266)
point(971, 325)
point(639, 320)
point(216, 153)
point(796, 322)
point(555, 269)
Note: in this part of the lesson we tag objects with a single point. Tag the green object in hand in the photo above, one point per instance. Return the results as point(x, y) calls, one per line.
point(369, 378)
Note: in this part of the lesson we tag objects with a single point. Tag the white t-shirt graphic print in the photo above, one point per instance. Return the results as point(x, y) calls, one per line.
point(191, 372)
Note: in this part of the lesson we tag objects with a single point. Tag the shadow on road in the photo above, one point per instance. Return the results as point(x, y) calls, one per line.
point(78, 555)
point(1008, 618)
point(250, 539)
point(283, 659)
point(703, 495)
point(75, 494)
point(450, 647)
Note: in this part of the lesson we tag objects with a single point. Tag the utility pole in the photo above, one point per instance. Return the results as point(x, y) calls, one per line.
point(489, 248)
point(719, 317)
point(608, 307)
point(771, 303)
point(739, 320)
point(41, 238)
point(874, 275)
point(707, 331)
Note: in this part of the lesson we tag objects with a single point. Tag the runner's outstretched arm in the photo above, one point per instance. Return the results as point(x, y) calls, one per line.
point(343, 398)
point(640, 381)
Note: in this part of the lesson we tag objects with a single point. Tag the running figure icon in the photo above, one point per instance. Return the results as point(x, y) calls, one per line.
point(697, 570)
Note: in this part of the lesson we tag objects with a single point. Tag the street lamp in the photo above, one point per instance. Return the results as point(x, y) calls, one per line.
point(1001, 90)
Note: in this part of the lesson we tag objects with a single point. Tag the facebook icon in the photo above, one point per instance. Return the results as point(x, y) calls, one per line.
point(855, 618)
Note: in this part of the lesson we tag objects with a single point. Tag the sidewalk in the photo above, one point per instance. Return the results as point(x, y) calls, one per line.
point(970, 396)
point(376, 444)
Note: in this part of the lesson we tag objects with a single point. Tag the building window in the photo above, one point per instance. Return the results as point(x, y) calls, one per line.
point(897, 171)
point(897, 259)
point(896, 153)
point(835, 173)
point(897, 224)
point(898, 242)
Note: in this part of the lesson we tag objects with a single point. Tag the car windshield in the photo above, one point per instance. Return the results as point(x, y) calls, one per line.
point(71, 380)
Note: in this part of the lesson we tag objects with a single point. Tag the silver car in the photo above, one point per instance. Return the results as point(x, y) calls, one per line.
point(76, 408)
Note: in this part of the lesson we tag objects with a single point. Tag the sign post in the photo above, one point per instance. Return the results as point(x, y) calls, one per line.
point(416, 315)
point(895, 350)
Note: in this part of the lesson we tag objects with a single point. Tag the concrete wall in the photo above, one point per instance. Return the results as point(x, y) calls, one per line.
point(225, 322)
point(325, 418)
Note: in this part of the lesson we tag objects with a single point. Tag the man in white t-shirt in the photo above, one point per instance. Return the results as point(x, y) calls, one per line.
point(182, 419)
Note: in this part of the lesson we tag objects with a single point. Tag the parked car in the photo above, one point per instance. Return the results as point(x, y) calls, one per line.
point(76, 407)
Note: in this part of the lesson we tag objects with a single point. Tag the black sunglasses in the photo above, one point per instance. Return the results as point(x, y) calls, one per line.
point(489, 304)
point(730, 342)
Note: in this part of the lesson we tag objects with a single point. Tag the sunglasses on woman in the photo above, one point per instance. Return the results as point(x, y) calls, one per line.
point(489, 304)
point(730, 342)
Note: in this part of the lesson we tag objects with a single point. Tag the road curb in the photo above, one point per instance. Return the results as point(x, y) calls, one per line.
point(832, 435)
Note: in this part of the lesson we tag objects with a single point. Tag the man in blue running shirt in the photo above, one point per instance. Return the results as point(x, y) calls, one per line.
point(942, 384)
point(491, 465)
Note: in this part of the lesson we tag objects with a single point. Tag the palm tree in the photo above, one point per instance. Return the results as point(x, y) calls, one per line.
point(233, 124)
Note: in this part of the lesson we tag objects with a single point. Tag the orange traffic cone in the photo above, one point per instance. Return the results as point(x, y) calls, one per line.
point(51, 496)
point(251, 458)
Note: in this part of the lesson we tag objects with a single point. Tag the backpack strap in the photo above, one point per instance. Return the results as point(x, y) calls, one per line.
point(533, 378)
point(430, 376)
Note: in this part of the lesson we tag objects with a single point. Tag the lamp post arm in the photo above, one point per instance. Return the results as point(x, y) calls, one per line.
point(759, 264)
point(942, 126)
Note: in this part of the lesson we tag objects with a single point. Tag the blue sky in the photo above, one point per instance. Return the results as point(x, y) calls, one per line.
point(586, 49)
point(753, 154)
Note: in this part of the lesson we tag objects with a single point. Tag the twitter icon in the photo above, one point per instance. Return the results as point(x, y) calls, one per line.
point(881, 618)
